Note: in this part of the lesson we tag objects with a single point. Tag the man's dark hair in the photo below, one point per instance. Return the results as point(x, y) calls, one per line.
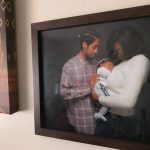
point(88, 36)
point(130, 39)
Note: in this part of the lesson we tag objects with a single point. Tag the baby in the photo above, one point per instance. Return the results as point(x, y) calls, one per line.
point(104, 68)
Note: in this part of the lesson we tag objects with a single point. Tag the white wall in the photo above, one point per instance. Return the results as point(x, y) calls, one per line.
point(17, 130)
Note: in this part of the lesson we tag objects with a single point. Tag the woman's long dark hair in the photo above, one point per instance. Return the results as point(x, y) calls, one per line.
point(131, 41)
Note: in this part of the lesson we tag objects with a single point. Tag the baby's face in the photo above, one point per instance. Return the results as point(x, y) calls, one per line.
point(108, 65)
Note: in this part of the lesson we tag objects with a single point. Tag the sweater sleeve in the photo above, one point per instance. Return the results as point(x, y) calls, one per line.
point(135, 78)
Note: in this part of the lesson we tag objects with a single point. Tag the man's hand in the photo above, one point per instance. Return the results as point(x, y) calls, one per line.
point(93, 80)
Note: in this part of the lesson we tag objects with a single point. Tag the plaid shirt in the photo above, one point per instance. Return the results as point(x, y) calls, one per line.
point(74, 87)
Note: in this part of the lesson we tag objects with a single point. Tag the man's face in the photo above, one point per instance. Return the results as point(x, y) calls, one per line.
point(91, 50)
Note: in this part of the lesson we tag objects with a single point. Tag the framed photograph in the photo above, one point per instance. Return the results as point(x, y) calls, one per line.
point(8, 59)
point(62, 57)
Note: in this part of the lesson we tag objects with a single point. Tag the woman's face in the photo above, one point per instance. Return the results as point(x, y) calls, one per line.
point(118, 51)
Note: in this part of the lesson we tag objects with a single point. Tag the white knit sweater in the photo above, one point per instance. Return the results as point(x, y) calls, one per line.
point(125, 83)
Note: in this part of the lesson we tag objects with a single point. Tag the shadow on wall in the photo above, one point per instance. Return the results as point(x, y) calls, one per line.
point(24, 54)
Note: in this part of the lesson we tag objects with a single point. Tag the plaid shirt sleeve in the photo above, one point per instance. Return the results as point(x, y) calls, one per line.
point(66, 87)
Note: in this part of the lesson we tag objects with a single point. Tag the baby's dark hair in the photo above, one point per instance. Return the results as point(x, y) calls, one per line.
point(102, 62)
point(88, 36)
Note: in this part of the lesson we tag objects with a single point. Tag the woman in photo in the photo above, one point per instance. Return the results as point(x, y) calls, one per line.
point(126, 49)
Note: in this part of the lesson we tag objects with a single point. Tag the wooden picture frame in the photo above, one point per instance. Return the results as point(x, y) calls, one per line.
point(8, 59)
point(49, 55)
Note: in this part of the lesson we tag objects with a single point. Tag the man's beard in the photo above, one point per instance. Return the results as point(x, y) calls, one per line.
point(89, 58)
